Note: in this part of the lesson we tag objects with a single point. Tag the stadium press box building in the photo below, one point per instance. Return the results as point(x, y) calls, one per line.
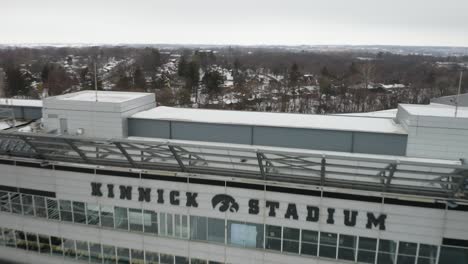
point(110, 178)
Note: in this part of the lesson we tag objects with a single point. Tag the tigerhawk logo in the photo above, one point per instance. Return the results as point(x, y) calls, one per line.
point(227, 203)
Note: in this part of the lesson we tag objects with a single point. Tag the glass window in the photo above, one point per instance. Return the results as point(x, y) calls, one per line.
point(185, 228)
point(40, 206)
point(273, 237)
point(198, 227)
point(152, 257)
point(28, 208)
point(367, 248)
point(66, 211)
point(406, 252)
point(82, 251)
point(181, 260)
point(123, 255)
point(138, 256)
point(167, 259)
point(245, 234)
point(32, 242)
point(309, 242)
point(291, 240)
point(44, 244)
point(177, 225)
point(328, 245)
point(79, 213)
point(9, 236)
point(150, 222)
point(453, 255)
point(387, 250)
point(198, 261)
point(427, 254)
point(2, 240)
point(20, 239)
point(347, 247)
point(52, 209)
point(69, 248)
point(169, 229)
point(95, 252)
point(4, 202)
point(107, 216)
point(216, 230)
point(135, 217)
point(56, 246)
point(92, 214)
point(15, 199)
point(108, 254)
point(121, 218)
point(162, 224)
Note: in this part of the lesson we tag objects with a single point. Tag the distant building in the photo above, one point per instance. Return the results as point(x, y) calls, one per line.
point(2, 83)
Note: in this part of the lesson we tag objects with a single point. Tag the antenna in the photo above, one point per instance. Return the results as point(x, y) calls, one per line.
point(458, 93)
point(95, 81)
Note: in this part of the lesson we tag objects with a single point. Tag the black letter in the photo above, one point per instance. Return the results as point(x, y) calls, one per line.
point(96, 189)
point(291, 211)
point(174, 197)
point(313, 213)
point(125, 192)
point(160, 196)
point(352, 221)
point(191, 199)
point(253, 206)
point(110, 190)
point(273, 206)
point(144, 194)
point(330, 219)
point(371, 220)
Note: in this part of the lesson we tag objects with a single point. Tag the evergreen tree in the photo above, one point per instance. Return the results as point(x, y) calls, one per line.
point(139, 81)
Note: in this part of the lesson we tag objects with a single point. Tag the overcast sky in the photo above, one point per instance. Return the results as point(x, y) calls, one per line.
point(290, 22)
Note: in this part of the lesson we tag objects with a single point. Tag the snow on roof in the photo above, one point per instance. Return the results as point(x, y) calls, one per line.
point(20, 102)
point(327, 122)
point(103, 96)
point(389, 113)
point(439, 110)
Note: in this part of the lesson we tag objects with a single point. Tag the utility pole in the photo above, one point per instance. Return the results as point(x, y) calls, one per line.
point(458, 93)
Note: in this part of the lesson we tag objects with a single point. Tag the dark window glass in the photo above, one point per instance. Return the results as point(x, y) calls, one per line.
point(40, 206)
point(95, 252)
point(9, 236)
point(107, 216)
point(427, 254)
point(367, 249)
point(169, 228)
point(309, 242)
point(273, 237)
point(386, 258)
point(123, 255)
point(79, 214)
point(181, 260)
point(92, 214)
point(150, 222)
point(135, 218)
point(15, 199)
point(32, 242)
point(2, 240)
point(198, 227)
point(407, 248)
point(52, 209)
point(20, 239)
point(152, 257)
point(121, 218)
point(197, 261)
point(56, 246)
point(28, 208)
point(328, 245)
point(291, 240)
point(4, 202)
point(109, 255)
point(403, 259)
point(82, 251)
point(387, 250)
point(66, 211)
point(216, 230)
point(44, 244)
point(167, 259)
point(245, 234)
point(69, 249)
point(347, 247)
point(453, 255)
point(137, 256)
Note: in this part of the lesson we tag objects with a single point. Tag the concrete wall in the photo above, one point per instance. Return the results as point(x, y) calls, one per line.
point(346, 141)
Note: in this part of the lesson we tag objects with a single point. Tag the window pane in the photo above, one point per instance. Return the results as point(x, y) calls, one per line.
point(135, 218)
point(65, 211)
point(291, 246)
point(150, 220)
point(32, 242)
point(216, 230)
point(9, 236)
point(386, 258)
point(366, 256)
point(185, 229)
point(167, 259)
point(92, 214)
point(15, 199)
point(69, 248)
point(245, 234)
point(197, 261)
point(309, 249)
point(310, 236)
point(402, 259)
point(152, 257)
point(4, 202)
point(137, 257)
point(107, 216)
point(452, 255)
point(56, 245)
point(95, 251)
point(28, 208)
point(367, 243)
point(328, 245)
point(407, 248)
point(291, 233)
point(181, 260)
point(20, 239)
point(327, 251)
point(82, 252)
point(177, 225)
point(162, 224)
point(109, 254)
point(387, 246)
point(347, 247)
point(273, 237)
point(169, 229)
point(123, 255)
point(40, 206)
point(44, 244)
point(427, 251)
point(198, 228)
point(121, 218)
point(79, 215)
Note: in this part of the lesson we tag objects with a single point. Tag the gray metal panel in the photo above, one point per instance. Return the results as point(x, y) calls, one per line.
point(211, 132)
point(32, 112)
point(374, 143)
point(148, 128)
point(303, 138)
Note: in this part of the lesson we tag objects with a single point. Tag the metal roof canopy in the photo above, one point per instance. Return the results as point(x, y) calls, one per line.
point(390, 174)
